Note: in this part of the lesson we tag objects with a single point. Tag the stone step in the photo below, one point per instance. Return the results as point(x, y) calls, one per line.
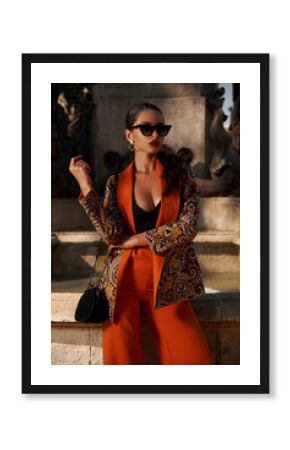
point(216, 213)
point(65, 293)
point(91, 237)
point(74, 252)
point(76, 343)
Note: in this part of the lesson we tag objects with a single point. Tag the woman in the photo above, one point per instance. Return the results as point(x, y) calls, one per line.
point(148, 218)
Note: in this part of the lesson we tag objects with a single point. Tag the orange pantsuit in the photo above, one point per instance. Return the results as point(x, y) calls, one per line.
point(142, 278)
point(176, 331)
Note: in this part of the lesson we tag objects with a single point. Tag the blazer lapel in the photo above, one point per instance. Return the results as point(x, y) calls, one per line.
point(168, 213)
point(124, 195)
point(169, 204)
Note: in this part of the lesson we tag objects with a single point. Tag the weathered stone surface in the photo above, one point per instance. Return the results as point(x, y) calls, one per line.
point(228, 350)
point(214, 307)
point(220, 213)
point(68, 215)
point(96, 345)
point(209, 330)
point(93, 238)
point(83, 344)
point(70, 345)
point(74, 343)
point(221, 282)
point(216, 214)
point(74, 254)
point(218, 258)
point(150, 353)
point(103, 91)
point(79, 237)
point(76, 260)
point(230, 309)
point(207, 310)
point(63, 310)
point(216, 237)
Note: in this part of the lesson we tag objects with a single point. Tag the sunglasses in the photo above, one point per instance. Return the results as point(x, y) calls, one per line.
point(147, 130)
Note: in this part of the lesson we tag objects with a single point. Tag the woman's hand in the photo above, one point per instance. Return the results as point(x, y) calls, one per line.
point(80, 169)
point(135, 240)
point(111, 246)
point(122, 244)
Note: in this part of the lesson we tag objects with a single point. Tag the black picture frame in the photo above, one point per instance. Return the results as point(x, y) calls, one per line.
point(262, 60)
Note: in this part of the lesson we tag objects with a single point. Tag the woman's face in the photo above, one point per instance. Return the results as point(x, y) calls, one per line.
point(147, 144)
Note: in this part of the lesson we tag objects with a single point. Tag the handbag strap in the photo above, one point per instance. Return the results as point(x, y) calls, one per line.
point(93, 271)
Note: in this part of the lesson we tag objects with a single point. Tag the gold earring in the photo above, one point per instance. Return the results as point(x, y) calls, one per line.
point(131, 146)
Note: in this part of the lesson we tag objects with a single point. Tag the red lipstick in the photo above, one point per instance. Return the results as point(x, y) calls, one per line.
point(154, 143)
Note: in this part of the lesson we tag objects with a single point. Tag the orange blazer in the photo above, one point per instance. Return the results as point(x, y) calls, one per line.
point(176, 269)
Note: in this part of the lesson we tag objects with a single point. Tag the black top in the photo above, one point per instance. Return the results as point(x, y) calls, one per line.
point(144, 220)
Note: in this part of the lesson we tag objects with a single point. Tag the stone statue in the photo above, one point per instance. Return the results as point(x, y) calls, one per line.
point(224, 166)
point(71, 121)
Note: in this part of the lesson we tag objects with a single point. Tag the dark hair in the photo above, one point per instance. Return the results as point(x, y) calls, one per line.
point(186, 154)
point(136, 109)
point(174, 171)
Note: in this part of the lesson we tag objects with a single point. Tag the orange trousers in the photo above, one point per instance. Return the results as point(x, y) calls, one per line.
point(177, 334)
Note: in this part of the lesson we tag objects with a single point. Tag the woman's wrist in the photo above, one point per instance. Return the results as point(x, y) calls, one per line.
point(85, 189)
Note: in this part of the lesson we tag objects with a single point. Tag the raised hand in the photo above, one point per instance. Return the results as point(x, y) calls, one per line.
point(80, 169)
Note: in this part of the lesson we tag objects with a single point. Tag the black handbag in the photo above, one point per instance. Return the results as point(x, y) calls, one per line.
point(93, 304)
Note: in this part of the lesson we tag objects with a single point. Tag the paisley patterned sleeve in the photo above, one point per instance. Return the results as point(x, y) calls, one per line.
point(166, 236)
point(104, 213)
